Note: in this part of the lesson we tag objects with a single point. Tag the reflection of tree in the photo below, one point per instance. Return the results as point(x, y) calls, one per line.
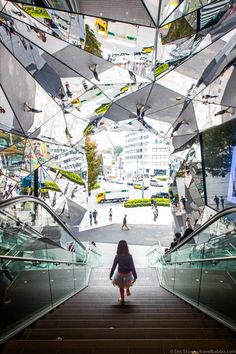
point(177, 30)
point(92, 45)
point(118, 150)
point(93, 161)
point(218, 146)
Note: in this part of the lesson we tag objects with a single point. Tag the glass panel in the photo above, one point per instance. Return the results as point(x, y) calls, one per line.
point(25, 291)
point(219, 153)
point(36, 221)
point(223, 238)
point(61, 280)
point(168, 271)
point(187, 280)
point(219, 282)
point(81, 275)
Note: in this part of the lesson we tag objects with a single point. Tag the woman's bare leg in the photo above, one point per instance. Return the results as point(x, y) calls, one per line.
point(122, 295)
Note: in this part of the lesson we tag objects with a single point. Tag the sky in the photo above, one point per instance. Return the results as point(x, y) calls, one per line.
point(103, 141)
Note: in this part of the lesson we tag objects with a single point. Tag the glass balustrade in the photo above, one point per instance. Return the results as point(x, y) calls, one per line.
point(202, 270)
point(41, 264)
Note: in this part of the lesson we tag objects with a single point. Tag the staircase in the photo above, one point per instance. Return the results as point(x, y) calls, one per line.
point(152, 321)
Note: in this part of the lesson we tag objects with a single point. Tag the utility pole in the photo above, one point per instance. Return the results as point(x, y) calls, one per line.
point(142, 173)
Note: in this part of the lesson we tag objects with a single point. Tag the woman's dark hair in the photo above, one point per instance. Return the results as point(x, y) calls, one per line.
point(122, 248)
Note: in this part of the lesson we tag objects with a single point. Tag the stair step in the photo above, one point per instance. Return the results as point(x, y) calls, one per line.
point(128, 346)
point(124, 333)
point(126, 309)
point(93, 323)
point(166, 315)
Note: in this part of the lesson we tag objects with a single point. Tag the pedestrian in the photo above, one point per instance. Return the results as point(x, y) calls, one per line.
point(222, 202)
point(110, 214)
point(152, 203)
point(188, 224)
point(27, 108)
point(85, 86)
point(155, 214)
point(126, 275)
point(91, 218)
point(93, 68)
point(2, 110)
point(183, 201)
point(217, 201)
point(95, 213)
point(68, 92)
point(124, 223)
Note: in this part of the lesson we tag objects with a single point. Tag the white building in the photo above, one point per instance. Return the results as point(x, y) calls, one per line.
point(145, 153)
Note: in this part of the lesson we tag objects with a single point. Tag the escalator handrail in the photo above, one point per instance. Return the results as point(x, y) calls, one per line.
point(201, 228)
point(12, 201)
point(216, 259)
point(39, 260)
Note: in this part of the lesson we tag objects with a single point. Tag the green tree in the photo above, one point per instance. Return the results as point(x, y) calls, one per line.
point(218, 145)
point(118, 150)
point(92, 45)
point(94, 161)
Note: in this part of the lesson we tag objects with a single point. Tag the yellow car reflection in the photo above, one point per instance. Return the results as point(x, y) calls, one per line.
point(139, 186)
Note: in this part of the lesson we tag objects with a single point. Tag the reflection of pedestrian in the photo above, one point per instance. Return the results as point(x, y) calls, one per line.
point(95, 213)
point(93, 68)
point(5, 281)
point(110, 214)
point(27, 108)
point(188, 223)
point(124, 223)
point(2, 110)
point(85, 86)
point(217, 201)
point(183, 201)
point(68, 92)
point(222, 202)
point(91, 218)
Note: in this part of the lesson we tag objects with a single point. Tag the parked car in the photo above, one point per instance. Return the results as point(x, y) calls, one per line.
point(139, 186)
point(155, 183)
point(160, 195)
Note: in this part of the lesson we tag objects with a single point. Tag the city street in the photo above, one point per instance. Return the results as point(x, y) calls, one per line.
point(143, 229)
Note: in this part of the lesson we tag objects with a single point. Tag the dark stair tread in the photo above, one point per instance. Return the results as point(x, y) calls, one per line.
point(159, 315)
point(24, 346)
point(95, 323)
point(128, 333)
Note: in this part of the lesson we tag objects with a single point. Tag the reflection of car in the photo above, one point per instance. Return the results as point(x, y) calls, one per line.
point(155, 183)
point(148, 49)
point(139, 186)
point(160, 195)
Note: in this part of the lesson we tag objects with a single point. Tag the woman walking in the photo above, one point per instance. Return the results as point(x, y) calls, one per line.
point(126, 274)
point(110, 214)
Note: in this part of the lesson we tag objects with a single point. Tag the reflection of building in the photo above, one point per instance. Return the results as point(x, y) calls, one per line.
point(107, 160)
point(72, 160)
point(144, 152)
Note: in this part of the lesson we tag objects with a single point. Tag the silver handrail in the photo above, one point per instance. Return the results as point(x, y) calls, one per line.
point(217, 259)
point(37, 260)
